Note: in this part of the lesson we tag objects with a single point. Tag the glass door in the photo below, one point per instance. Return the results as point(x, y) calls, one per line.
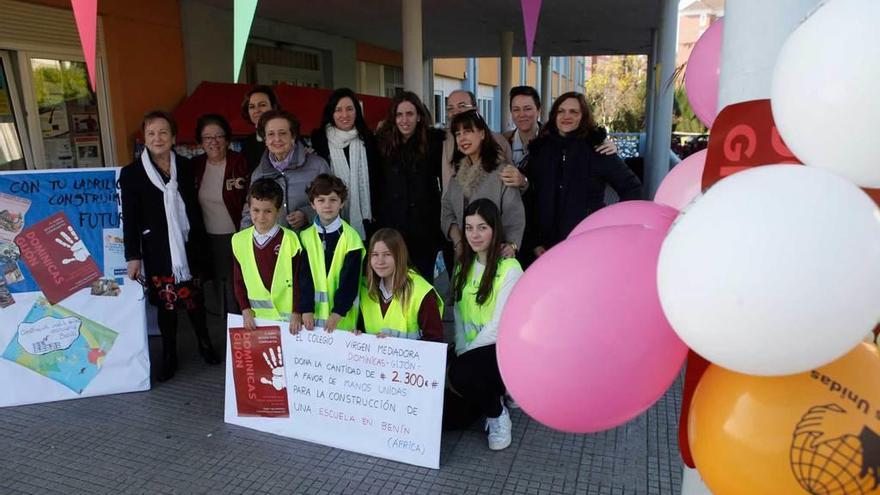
point(67, 124)
point(12, 156)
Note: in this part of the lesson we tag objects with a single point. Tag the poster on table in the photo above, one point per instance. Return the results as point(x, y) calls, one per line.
point(376, 396)
point(71, 324)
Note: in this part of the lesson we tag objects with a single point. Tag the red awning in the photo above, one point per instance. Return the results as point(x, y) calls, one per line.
point(225, 99)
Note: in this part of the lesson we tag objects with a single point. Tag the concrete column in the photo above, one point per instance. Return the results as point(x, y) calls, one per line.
point(506, 77)
point(412, 47)
point(428, 83)
point(546, 81)
point(472, 83)
point(657, 163)
point(754, 32)
point(649, 94)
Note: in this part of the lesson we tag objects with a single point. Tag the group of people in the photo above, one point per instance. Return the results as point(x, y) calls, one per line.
point(342, 231)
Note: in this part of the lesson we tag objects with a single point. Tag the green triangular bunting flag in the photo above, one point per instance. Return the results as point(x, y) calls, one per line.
point(244, 15)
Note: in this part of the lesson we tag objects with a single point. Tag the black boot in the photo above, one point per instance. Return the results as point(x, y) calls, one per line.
point(206, 350)
point(169, 354)
point(200, 326)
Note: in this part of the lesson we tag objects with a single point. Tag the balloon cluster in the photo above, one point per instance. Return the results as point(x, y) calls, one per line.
point(772, 274)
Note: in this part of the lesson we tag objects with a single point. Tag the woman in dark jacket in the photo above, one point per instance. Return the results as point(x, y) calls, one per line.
point(567, 176)
point(257, 101)
point(222, 179)
point(407, 191)
point(346, 143)
point(163, 234)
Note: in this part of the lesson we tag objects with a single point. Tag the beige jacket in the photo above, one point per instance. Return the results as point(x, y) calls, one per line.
point(448, 168)
point(508, 200)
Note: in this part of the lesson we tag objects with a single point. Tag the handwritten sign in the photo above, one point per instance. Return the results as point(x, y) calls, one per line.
point(48, 334)
point(377, 396)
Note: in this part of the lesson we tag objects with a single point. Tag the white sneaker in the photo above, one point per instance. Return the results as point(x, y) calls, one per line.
point(499, 430)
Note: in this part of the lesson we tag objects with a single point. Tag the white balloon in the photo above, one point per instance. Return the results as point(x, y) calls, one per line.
point(824, 92)
point(774, 271)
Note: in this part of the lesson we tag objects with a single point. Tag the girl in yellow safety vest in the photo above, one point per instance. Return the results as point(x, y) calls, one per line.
point(482, 282)
point(395, 300)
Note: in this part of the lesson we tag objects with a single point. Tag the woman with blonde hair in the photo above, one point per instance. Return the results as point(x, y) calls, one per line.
point(395, 300)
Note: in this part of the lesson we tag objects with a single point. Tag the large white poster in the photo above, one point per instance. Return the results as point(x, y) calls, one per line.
point(71, 325)
point(376, 396)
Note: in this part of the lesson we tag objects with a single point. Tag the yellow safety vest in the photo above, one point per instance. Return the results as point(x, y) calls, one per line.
point(398, 321)
point(326, 283)
point(475, 316)
point(276, 304)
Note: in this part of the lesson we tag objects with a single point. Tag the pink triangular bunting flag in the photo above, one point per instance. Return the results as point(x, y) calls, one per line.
point(86, 14)
point(531, 9)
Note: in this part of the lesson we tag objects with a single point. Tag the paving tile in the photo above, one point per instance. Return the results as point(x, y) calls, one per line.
point(172, 440)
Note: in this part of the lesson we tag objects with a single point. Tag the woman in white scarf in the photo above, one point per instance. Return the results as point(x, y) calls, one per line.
point(160, 219)
point(345, 141)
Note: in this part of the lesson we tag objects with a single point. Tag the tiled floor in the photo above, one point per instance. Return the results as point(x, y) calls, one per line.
point(172, 440)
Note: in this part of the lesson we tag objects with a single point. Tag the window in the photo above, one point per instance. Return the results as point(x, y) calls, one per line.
point(485, 106)
point(66, 127)
point(393, 81)
point(280, 63)
point(439, 106)
point(11, 154)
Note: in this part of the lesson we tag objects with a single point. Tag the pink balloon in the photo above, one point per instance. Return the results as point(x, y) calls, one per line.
point(701, 74)
point(639, 212)
point(683, 183)
point(583, 344)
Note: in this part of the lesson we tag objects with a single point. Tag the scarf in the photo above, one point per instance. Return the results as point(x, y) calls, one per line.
point(175, 216)
point(521, 151)
point(353, 172)
point(470, 176)
point(281, 165)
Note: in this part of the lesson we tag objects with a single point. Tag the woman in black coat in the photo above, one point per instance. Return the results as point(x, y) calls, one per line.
point(407, 191)
point(567, 176)
point(257, 101)
point(163, 231)
point(344, 140)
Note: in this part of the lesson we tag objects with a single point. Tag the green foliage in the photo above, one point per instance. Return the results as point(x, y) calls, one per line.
point(616, 91)
point(683, 117)
point(56, 82)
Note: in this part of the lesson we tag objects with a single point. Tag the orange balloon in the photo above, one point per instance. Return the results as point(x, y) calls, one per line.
point(813, 433)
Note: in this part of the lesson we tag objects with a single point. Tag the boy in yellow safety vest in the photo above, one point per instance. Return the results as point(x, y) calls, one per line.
point(333, 253)
point(266, 260)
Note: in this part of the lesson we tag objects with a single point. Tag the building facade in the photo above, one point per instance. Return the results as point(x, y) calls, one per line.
point(154, 54)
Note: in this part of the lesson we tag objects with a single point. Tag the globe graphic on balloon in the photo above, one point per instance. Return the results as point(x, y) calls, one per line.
point(831, 466)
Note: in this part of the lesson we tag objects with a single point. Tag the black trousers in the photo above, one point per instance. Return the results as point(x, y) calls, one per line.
point(475, 377)
point(221, 267)
point(423, 261)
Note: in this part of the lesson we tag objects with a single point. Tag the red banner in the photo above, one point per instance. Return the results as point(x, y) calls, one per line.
point(744, 135)
point(258, 372)
point(57, 258)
